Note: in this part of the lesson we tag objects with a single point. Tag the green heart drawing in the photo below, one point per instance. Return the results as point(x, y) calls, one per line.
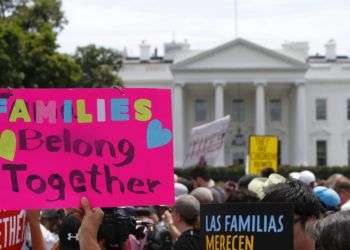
point(8, 145)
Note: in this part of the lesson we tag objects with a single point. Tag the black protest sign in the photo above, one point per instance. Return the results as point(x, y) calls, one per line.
point(247, 226)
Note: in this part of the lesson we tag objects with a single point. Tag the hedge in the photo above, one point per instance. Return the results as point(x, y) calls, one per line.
point(235, 172)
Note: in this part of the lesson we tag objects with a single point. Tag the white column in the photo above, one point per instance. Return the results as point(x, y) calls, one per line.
point(260, 107)
point(220, 113)
point(219, 99)
point(178, 117)
point(300, 124)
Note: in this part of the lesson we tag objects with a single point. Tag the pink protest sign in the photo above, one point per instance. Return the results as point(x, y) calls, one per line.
point(57, 145)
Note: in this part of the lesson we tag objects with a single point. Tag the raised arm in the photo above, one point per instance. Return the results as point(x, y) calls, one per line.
point(89, 226)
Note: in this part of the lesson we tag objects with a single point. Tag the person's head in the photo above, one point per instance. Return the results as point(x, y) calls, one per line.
point(332, 232)
point(261, 185)
point(308, 178)
point(244, 181)
point(343, 189)
point(180, 189)
point(203, 195)
point(185, 182)
point(266, 172)
point(186, 212)
point(68, 232)
point(200, 177)
point(294, 175)
point(146, 214)
point(307, 208)
point(335, 178)
point(329, 199)
point(242, 195)
point(51, 219)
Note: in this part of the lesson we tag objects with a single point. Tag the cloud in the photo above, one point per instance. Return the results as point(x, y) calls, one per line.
point(206, 23)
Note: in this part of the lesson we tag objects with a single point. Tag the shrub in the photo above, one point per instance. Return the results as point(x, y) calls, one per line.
point(235, 172)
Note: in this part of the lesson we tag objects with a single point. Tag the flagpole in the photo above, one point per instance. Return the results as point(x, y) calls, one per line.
point(236, 19)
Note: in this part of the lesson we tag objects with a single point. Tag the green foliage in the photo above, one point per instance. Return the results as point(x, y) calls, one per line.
point(11, 55)
point(31, 15)
point(235, 172)
point(99, 65)
point(28, 48)
point(29, 56)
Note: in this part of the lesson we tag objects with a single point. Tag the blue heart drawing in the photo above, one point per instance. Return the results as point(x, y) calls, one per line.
point(156, 135)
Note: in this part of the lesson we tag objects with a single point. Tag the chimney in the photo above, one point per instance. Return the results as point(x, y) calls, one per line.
point(155, 55)
point(145, 55)
point(331, 50)
point(172, 49)
point(125, 53)
point(298, 49)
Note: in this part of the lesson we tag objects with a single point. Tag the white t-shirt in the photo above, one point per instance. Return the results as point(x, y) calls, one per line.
point(50, 239)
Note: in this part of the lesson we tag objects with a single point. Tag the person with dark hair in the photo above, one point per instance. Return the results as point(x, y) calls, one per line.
point(244, 181)
point(201, 178)
point(68, 232)
point(242, 195)
point(266, 172)
point(51, 219)
point(332, 232)
point(307, 209)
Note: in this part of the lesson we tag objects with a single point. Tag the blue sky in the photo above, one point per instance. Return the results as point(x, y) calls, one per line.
point(205, 23)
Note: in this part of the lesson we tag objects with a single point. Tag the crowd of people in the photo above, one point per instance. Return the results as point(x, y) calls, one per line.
point(321, 215)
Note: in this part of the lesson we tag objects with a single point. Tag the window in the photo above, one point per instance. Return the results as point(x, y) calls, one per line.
point(348, 111)
point(275, 110)
point(238, 158)
point(321, 152)
point(238, 110)
point(201, 110)
point(321, 109)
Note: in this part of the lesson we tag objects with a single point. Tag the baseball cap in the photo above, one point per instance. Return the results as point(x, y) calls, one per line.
point(187, 206)
point(294, 175)
point(307, 177)
point(328, 197)
point(180, 189)
point(68, 233)
point(203, 195)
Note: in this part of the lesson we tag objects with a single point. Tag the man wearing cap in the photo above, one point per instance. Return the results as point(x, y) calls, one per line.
point(185, 217)
point(329, 199)
point(308, 178)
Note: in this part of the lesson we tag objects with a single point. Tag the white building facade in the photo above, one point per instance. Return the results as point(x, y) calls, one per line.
point(302, 99)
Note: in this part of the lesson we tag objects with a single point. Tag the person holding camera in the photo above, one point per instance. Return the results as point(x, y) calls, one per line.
point(184, 219)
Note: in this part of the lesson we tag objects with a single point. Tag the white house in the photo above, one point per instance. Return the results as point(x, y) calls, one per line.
point(303, 99)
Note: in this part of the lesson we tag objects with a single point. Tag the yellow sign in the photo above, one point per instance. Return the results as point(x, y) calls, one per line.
point(263, 153)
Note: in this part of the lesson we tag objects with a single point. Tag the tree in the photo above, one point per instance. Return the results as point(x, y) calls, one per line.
point(28, 48)
point(32, 15)
point(100, 65)
point(11, 55)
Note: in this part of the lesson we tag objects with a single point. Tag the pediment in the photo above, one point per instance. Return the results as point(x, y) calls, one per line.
point(240, 54)
point(322, 132)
